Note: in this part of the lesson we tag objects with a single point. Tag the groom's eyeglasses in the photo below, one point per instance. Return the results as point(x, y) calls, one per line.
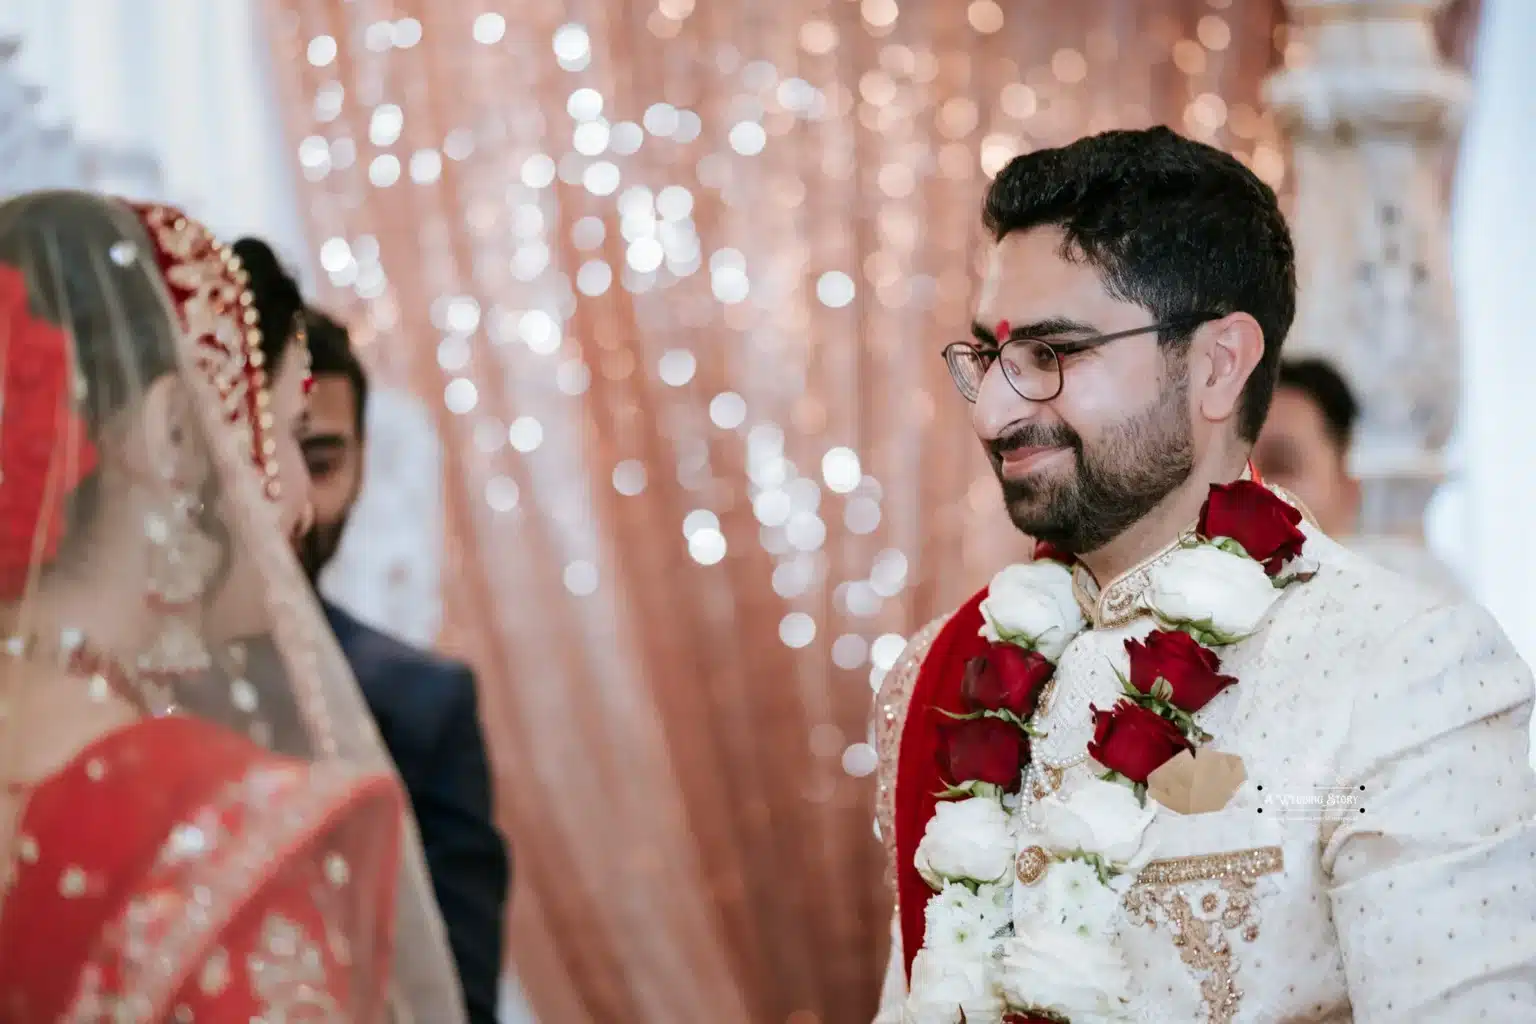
point(1031, 365)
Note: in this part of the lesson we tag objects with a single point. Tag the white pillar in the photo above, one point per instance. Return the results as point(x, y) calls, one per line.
point(1371, 109)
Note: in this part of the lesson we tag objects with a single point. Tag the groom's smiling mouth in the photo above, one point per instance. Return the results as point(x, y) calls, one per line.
point(1022, 460)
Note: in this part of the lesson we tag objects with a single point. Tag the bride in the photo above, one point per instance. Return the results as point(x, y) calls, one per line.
point(160, 866)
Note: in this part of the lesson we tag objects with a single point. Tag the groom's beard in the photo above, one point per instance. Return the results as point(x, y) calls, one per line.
point(317, 547)
point(1137, 464)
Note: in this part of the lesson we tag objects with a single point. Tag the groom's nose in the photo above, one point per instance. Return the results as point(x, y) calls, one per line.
point(999, 407)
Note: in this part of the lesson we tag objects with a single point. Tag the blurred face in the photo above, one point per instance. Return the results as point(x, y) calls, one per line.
point(334, 454)
point(238, 608)
point(1080, 468)
point(1296, 451)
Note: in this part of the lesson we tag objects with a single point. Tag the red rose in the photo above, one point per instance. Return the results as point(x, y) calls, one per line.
point(1026, 1018)
point(1046, 551)
point(1256, 518)
point(1134, 741)
point(984, 750)
point(1008, 678)
point(1176, 656)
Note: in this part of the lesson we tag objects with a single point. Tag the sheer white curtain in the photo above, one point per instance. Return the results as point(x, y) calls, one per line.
point(181, 81)
point(1488, 519)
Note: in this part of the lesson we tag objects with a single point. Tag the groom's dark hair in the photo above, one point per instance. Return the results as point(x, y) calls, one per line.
point(1173, 225)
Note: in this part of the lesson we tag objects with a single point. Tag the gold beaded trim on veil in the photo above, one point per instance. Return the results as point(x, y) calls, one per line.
point(210, 291)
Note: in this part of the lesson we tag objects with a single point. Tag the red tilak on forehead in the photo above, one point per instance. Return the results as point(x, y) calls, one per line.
point(1003, 328)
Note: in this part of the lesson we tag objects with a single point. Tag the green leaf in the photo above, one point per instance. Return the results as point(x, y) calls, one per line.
point(1162, 689)
point(1004, 636)
point(1106, 870)
point(1231, 547)
point(1204, 631)
point(970, 788)
point(969, 716)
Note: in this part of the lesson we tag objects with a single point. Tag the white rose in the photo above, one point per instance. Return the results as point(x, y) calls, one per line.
point(1216, 592)
point(1032, 605)
point(1095, 816)
point(966, 840)
point(948, 989)
point(962, 922)
point(1050, 967)
point(1072, 896)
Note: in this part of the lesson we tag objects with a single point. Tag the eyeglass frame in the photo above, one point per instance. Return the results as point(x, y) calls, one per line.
point(1078, 345)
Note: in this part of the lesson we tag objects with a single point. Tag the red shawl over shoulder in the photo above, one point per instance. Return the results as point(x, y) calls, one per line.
point(918, 780)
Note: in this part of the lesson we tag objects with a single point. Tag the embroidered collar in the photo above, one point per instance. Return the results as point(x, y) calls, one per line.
point(1119, 602)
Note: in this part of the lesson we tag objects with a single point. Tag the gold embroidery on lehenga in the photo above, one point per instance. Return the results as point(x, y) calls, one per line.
point(1203, 937)
point(890, 716)
point(287, 974)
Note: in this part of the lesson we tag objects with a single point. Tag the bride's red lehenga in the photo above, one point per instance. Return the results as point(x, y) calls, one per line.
point(174, 871)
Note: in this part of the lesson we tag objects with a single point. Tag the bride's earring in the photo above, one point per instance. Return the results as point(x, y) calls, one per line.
point(182, 560)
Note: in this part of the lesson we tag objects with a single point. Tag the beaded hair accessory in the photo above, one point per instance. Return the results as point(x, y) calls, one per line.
point(217, 309)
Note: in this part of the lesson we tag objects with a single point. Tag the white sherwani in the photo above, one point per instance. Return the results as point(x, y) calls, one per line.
point(1406, 558)
point(1379, 863)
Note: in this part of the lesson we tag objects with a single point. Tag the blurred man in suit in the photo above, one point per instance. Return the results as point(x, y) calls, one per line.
point(1304, 447)
point(425, 705)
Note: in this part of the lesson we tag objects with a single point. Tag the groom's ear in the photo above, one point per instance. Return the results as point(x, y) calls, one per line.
point(1223, 357)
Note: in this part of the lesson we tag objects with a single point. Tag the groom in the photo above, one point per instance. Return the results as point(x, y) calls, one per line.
point(425, 706)
point(1299, 784)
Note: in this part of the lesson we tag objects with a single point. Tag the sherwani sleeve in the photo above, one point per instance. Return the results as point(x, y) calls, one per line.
point(893, 993)
point(1433, 873)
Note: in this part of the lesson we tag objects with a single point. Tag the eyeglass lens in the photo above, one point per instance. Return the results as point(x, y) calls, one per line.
point(1030, 366)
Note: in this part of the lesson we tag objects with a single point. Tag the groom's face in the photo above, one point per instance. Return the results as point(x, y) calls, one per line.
point(1079, 468)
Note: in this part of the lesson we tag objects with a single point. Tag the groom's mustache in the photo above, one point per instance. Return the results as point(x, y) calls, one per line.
point(1034, 435)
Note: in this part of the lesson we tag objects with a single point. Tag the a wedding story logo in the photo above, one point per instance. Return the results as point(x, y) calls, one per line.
point(1311, 802)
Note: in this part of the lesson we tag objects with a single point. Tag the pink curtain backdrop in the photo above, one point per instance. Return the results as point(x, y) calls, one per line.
point(673, 278)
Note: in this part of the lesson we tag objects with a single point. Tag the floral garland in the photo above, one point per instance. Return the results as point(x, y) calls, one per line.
point(1086, 841)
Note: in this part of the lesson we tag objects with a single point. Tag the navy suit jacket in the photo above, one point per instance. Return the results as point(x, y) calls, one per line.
point(426, 710)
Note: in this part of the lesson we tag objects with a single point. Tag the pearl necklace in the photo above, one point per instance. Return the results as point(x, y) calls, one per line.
point(151, 693)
